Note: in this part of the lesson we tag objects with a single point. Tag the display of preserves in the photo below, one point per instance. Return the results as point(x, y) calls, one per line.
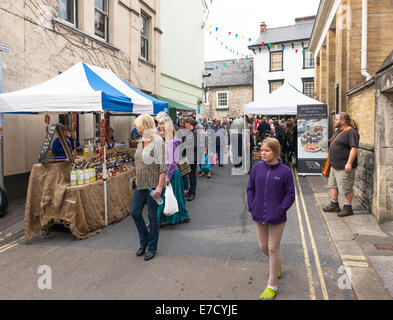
point(90, 169)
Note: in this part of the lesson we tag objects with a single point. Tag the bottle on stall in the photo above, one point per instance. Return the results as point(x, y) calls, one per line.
point(86, 175)
point(159, 200)
point(80, 177)
point(85, 149)
point(91, 147)
point(73, 177)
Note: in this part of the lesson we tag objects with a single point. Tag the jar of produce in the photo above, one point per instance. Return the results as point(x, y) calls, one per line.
point(86, 176)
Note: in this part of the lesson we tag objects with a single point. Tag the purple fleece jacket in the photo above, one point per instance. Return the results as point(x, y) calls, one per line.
point(270, 192)
point(172, 157)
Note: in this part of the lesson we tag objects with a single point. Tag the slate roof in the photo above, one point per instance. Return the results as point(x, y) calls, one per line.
point(299, 31)
point(238, 74)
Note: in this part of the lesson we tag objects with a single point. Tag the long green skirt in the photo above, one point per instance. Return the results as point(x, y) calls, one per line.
point(178, 190)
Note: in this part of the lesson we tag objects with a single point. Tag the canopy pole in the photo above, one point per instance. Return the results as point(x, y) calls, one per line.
point(105, 178)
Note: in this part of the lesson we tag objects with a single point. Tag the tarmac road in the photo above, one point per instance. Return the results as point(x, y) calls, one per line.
point(215, 257)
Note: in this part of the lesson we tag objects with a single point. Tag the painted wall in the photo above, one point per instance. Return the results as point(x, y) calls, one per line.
point(293, 69)
point(182, 51)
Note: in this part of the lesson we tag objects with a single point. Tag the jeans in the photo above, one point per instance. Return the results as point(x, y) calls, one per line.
point(193, 178)
point(147, 237)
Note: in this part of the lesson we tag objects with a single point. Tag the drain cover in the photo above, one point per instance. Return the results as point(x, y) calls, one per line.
point(383, 246)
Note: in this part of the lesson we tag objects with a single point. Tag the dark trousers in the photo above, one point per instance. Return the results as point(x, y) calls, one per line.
point(186, 181)
point(193, 178)
point(147, 237)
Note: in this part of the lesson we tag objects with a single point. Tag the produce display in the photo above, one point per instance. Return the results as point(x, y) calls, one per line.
point(90, 169)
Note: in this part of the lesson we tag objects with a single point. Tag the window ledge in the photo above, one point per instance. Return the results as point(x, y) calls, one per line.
point(144, 61)
point(222, 108)
point(72, 28)
point(276, 70)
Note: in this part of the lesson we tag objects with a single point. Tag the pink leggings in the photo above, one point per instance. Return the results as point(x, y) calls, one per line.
point(269, 238)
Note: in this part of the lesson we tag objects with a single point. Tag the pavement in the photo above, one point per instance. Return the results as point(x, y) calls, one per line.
point(364, 246)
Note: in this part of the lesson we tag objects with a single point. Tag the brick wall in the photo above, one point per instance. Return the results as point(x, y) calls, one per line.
point(238, 96)
point(361, 107)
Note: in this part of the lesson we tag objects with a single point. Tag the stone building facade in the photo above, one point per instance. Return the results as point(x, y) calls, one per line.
point(46, 37)
point(227, 89)
point(346, 80)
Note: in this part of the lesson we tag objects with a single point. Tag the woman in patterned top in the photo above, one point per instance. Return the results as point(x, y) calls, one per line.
point(150, 175)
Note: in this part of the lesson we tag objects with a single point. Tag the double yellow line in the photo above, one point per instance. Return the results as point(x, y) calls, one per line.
point(305, 249)
point(9, 245)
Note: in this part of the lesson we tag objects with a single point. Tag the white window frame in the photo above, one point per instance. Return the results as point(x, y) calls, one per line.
point(305, 81)
point(308, 57)
point(106, 14)
point(144, 37)
point(218, 100)
point(75, 5)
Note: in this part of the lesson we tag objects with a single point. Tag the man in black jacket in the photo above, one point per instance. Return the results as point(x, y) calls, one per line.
point(280, 135)
point(263, 129)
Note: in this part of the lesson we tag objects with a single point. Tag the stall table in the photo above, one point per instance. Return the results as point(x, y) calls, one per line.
point(51, 200)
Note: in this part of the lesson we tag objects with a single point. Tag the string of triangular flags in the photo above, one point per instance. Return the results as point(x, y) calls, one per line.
point(217, 32)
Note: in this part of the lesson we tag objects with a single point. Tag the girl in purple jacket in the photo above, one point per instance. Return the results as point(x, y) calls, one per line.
point(270, 193)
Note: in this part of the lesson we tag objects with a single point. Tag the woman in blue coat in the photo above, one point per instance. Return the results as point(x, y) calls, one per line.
point(270, 193)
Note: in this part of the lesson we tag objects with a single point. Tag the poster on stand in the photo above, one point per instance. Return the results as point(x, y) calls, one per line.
point(313, 124)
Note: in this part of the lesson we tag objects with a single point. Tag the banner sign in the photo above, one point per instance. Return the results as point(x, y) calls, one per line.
point(312, 130)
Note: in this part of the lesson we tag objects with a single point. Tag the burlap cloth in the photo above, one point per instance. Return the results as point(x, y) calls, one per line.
point(51, 200)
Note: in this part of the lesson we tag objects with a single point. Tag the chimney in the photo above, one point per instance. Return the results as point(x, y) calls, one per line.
point(263, 27)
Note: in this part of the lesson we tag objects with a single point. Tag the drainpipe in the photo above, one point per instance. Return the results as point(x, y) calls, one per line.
point(364, 40)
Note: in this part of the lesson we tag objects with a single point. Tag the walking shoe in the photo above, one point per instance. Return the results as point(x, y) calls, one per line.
point(268, 294)
point(201, 174)
point(209, 175)
point(346, 211)
point(140, 252)
point(149, 255)
point(191, 196)
point(332, 207)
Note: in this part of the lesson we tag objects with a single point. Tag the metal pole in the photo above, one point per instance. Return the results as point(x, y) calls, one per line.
point(105, 178)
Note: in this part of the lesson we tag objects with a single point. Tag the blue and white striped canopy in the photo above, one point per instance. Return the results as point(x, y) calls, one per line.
point(83, 87)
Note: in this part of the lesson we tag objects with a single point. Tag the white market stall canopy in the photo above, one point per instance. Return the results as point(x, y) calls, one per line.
point(283, 101)
point(82, 88)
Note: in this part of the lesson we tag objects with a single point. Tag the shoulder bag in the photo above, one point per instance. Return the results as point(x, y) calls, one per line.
point(326, 166)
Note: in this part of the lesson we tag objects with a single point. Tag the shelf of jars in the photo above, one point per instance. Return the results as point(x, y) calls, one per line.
point(89, 167)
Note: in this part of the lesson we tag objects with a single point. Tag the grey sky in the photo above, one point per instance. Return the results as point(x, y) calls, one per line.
point(243, 17)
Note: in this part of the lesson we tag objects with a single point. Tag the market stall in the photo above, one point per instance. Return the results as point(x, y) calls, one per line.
point(87, 207)
point(287, 100)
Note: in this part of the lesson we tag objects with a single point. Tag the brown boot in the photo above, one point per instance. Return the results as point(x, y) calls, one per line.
point(332, 207)
point(346, 211)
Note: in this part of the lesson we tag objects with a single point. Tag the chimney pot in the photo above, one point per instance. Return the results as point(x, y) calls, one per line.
point(263, 27)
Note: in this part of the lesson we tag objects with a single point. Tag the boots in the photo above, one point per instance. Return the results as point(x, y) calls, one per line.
point(346, 211)
point(332, 207)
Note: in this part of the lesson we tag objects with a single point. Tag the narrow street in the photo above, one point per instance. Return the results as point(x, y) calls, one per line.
point(216, 256)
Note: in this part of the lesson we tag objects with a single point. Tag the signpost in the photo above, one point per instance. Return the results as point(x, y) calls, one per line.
point(312, 139)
